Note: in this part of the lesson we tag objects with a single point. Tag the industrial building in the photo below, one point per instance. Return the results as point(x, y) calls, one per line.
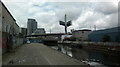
point(31, 26)
point(81, 35)
point(0, 29)
point(40, 31)
point(106, 35)
point(10, 31)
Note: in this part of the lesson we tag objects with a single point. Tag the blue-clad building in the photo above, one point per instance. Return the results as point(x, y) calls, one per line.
point(106, 35)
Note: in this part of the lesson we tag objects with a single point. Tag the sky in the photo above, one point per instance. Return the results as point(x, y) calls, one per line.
point(84, 14)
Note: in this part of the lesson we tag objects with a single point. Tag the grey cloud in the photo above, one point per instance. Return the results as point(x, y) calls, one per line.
point(112, 21)
point(72, 13)
point(57, 28)
point(100, 20)
point(94, 17)
point(108, 21)
point(106, 7)
point(82, 14)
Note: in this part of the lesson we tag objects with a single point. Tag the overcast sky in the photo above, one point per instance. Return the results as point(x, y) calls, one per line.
point(84, 14)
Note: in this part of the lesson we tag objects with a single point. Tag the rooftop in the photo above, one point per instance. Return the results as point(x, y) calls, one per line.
point(82, 30)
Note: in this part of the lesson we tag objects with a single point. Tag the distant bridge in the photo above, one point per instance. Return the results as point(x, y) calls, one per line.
point(47, 34)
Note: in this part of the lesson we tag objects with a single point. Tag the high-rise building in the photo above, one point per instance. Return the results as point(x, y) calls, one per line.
point(31, 26)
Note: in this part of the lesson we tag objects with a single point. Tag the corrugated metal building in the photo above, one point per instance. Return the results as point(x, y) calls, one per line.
point(106, 35)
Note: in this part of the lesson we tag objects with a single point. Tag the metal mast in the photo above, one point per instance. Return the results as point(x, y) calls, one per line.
point(65, 25)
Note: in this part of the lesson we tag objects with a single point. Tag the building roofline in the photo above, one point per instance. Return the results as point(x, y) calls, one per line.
point(7, 10)
point(31, 19)
point(118, 27)
point(82, 30)
point(17, 24)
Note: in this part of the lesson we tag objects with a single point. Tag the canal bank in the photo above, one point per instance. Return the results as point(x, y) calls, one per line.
point(39, 54)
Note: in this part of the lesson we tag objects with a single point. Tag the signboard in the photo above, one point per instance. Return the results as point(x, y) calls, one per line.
point(62, 23)
point(69, 23)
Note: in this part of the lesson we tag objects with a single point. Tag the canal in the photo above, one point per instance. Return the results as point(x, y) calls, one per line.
point(90, 56)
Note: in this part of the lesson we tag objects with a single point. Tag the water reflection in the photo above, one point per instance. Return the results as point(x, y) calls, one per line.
point(63, 49)
point(91, 57)
point(79, 54)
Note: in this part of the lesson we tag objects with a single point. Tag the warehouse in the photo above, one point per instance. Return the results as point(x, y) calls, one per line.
point(106, 35)
point(10, 31)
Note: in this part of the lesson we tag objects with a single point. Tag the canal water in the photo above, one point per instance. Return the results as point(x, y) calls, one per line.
point(91, 57)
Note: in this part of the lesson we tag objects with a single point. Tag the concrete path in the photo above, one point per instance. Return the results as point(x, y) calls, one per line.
point(38, 54)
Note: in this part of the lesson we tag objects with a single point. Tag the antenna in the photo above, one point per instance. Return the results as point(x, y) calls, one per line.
point(95, 27)
point(50, 30)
